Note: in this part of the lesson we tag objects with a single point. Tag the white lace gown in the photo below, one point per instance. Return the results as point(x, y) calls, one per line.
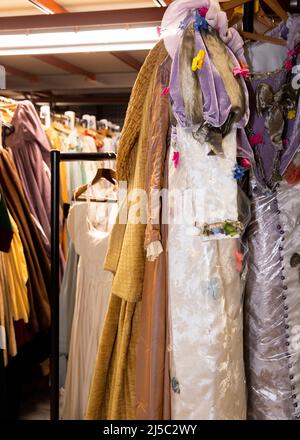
point(92, 296)
point(205, 294)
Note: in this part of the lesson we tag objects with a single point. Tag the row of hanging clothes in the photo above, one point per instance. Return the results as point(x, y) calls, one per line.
point(25, 250)
point(25, 233)
point(69, 133)
point(201, 315)
point(91, 212)
point(86, 288)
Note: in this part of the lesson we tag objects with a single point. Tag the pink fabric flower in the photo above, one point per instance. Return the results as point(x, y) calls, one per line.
point(243, 71)
point(239, 261)
point(175, 158)
point(292, 52)
point(165, 91)
point(288, 65)
point(158, 30)
point(245, 163)
point(203, 11)
point(256, 139)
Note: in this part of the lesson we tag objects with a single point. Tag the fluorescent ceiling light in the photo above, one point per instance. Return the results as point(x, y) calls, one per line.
point(41, 7)
point(76, 42)
point(159, 3)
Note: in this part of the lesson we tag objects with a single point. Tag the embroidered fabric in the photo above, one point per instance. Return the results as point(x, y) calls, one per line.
point(205, 289)
point(272, 301)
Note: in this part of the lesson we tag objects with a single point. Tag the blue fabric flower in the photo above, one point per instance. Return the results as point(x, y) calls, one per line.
point(200, 23)
point(238, 172)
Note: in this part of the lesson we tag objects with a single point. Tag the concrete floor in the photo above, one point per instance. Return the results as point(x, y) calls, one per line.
point(36, 402)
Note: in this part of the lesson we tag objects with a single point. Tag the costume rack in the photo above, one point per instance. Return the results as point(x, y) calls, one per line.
point(56, 158)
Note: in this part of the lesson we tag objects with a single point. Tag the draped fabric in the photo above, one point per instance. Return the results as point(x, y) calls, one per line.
point(30, 148)
point(36, 257)
point(272, 303)
point(113, 393)
point(31, 152)
point(153, 377)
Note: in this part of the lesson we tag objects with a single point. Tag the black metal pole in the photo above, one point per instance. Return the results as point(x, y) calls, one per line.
point(248, 16)
point(54, 359)
point(74, 157)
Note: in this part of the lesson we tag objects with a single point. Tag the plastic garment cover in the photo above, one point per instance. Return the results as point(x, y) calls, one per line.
point(272, 303)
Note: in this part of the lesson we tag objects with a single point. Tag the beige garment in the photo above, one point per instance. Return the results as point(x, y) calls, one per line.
point(112, 393)
point(152, 373)
point(126, 255)
point(92, 298)
point(157, 150)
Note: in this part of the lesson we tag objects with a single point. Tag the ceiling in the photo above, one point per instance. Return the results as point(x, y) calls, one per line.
point(83, 76)
point(86, 77)
point(23, 7)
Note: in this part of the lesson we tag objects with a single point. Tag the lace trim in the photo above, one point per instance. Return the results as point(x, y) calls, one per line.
point(154, 249)
point(263, 75)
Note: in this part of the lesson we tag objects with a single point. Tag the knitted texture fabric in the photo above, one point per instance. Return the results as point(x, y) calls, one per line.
point(134, 115)
point(126, 253)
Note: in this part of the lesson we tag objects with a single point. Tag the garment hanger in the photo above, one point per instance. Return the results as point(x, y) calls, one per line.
point(102, 173)
point(274, 6)
point(279, 11)
point(60, 127)
point(261, 37)
point(262, 18)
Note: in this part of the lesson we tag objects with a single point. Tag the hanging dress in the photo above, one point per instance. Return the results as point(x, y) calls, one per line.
point(92, 296)
point(205, 290)
point(272, 300)
point(205, 225)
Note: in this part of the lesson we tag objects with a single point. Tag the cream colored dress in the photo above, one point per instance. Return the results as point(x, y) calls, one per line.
point(92, 296)
point(205, 294)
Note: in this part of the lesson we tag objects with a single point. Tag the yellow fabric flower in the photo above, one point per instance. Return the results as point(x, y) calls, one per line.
point(198, 60)
point(291, 114)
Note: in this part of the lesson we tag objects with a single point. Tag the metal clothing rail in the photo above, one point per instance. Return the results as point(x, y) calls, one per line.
point(56, 158)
